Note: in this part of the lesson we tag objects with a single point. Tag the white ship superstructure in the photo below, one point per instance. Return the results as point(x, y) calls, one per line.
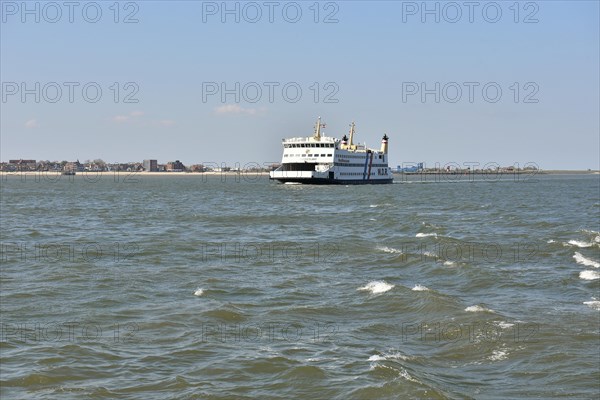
point(321, 159)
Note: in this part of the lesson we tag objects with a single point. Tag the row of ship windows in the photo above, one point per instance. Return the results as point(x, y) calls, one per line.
point(352, 156)
point(381, 171)
point(358, 165)
point(308, 145)
point(362, 157)
point(336, 163)
point(307, 155)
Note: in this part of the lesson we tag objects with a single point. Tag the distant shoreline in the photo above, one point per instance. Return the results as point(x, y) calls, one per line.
point(261, 173)
point(569, 172)
point(520, 172)
point(133, 173)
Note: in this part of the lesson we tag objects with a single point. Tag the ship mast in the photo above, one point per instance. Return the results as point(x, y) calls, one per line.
point(318, 127)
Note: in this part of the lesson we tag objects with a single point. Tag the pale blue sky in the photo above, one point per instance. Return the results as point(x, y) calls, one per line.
point(370, 54)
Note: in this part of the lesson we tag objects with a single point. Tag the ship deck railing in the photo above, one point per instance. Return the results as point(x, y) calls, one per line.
point(309, 139)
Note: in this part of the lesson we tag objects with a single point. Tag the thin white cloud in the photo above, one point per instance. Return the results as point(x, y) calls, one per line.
point(235, 109)
point(139, 119)
point(166, 122)
point(129, 117)
point(120, 118)
point(31, 124)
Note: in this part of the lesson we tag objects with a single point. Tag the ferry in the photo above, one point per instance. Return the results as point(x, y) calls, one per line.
point(321, 159)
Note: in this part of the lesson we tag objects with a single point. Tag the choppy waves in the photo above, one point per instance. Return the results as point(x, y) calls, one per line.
point(422, 235)
point(478, 308)
point(376, 287)
point(593, 304)
point(390, 250)
point(589, 275)
point(256, 290)
point(588, 262)
point(580, 243)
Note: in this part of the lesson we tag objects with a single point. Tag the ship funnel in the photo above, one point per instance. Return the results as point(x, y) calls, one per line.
point(384, 144)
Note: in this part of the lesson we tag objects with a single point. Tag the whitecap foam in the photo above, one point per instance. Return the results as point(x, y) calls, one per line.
point(580, 244)
point(420, 288)
point(199, 292)
point(551, 241)
point(389, 250)
point(594, 304)
point(429, 254)
point(373, 206)
point(397, 356)
point(449, 263)
point(420, 235)
point(403, 373)
point(504, 324)
point(477, 308)
point(589, 275)
point(585, 261)
point(498, 355)
point(376, 287)
point(394, 355)
point(428, 225)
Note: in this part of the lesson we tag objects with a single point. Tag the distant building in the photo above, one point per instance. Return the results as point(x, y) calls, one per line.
point(410, 168)
point(197, 168)
point(23, 165)
point(21, 161)
point(175, 166)
point(150, 165)
point(74, 167)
